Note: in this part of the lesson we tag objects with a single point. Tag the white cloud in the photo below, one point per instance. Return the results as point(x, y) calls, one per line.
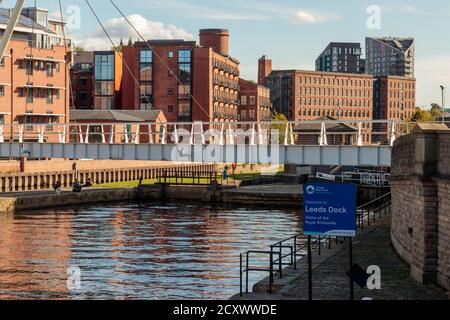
point(195, 11)
point(398, 8)
point(118, 29)
point(311, 17)
point(431, 72)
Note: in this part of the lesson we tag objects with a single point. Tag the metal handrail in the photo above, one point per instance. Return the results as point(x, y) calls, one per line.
point(165, 176)
point(295, 248)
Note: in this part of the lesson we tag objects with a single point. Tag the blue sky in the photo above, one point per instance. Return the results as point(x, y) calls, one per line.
point(290, 32)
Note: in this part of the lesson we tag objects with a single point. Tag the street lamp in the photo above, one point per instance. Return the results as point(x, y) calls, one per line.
point(443, 101)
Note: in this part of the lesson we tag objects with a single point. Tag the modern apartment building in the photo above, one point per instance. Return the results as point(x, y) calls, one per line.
point(34, 75)
point(390, 56)
point(107, 80)
point(186, 81)
point(344, 57)
point(254, 101)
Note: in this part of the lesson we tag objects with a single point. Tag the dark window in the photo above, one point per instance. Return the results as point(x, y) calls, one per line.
point(29, 67)
point(30, 95)
point(49, 97)
point(49, 67)
point(170, 108)
point(184, 66)
point(83, 96)
point(2, 91)
point(185, 73)
point(83, 81)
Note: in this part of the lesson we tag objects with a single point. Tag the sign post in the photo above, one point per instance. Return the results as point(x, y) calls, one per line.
point(329, 209)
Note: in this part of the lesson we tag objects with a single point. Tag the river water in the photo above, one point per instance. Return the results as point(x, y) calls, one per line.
point(134, 251)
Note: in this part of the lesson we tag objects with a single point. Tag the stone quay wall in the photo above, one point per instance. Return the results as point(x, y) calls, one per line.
point(51, 200)
point(420, 184)
point(34, 181)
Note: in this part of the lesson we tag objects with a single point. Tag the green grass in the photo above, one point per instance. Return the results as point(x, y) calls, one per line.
point(135, 184)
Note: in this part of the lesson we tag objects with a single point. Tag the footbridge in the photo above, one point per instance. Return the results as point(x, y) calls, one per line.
point(331, 143)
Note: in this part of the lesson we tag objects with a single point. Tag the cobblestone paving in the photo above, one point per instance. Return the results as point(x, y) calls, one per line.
point(331, 283)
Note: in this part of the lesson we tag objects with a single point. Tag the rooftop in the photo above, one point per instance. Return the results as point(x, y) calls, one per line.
point(402, 44)
point(213, 30)
point(116, 115)
point(324, 73)
point(24, 22)
point(166, 42)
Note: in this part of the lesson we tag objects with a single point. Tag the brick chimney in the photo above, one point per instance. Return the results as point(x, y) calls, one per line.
point(264, 69)
point(217, 39)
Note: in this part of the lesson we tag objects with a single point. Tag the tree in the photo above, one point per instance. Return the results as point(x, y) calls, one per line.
point(422, 115)
point(281, 127)
point(436, 111)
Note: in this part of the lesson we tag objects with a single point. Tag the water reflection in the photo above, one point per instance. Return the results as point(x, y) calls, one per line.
point(130, 251)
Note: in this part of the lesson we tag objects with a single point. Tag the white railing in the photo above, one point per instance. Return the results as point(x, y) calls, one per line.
point(322, 133)
point(376, 179)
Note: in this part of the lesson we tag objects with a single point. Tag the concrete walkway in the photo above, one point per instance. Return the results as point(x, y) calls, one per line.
point(371, 248)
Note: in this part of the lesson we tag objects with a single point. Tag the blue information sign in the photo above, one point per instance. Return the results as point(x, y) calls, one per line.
point(330, 209)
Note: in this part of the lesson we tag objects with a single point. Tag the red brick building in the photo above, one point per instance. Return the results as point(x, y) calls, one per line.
point(309, 95)
point(395, 98)
point(34, 77)
point(254, 101)
point(264, 70)
point(82, 80)
point(208, 78)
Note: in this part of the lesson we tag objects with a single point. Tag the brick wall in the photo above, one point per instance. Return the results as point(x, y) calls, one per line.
point(420, 185)
point(65, 165)
point(443, 244)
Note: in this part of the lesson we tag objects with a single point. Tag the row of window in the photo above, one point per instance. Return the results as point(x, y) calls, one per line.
point(334, 113)
point(400, 115)
point(251, 100)
point(36, 93)
point(338, 92)
point(335, 82)
point(32, 66)
point(402, 85)
point(400, 95)
point(401, 106)
point(335, 102)
point(251, 115)
point(184, 65)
